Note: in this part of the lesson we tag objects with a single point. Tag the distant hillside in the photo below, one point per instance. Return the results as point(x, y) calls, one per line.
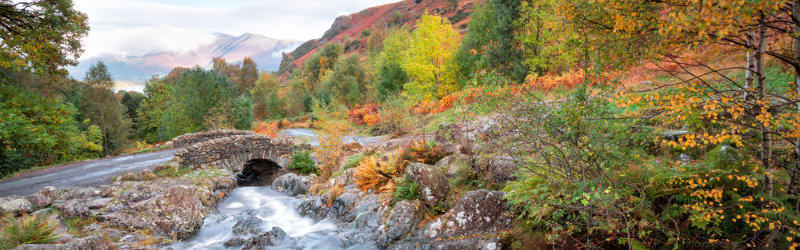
point(347, 29)
point(264, 50)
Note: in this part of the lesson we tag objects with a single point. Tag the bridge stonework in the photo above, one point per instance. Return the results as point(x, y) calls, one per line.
point(233, 151)
point(192, 138)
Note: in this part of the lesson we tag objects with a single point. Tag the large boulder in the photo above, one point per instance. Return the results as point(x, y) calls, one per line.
point(433, 183)
point(16, 207)
point(137, 191)
point(500, 169)
point(292, 184)
point(453, 163)
point(94, 242)
point(39, 200)
point(175, 213)
point(478, 212)
point(271, 238)
point(402, 219)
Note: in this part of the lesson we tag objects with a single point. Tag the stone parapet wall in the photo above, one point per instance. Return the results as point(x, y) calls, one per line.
point(192, 138)
point(233, 151)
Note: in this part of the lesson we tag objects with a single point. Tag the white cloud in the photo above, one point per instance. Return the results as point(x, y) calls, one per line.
point(134, 27)
point(287, 49)
point(140, 41)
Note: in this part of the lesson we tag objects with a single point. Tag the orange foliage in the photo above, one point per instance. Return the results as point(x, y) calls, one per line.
point(372, 173)
point(568, 80)
point(269, 129)
point(366, 114)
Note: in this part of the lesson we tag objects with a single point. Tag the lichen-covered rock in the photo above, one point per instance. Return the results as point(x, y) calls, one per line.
point(250, 224)
point(479, 211)
point(433, 183)
point(147, 175)
point(293, 185)
point(347, 178)
point(94, 242)
point(476, 243)
point(48, 191)
point(403, 219)
point(129, 176)
point(73, 208)
point(175, 213)
point(453, 163)
point(137, 191)
point(98, 203)
point(501, 169)
point(39, 200)
point(16, 207)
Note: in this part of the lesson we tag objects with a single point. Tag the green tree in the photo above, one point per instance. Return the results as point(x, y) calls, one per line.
point(429, 59)
point(99, 104)
point(132, 100)
point(347, 80)
point(491, 42)
point(248, 75)
point(391, 75)
point(152, 109)
point(41, 35)
point(35, 131)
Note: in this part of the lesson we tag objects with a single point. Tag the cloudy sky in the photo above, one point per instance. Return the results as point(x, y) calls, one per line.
point(136, 27)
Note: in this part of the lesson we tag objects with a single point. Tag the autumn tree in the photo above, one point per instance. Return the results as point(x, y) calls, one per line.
point(41, 36)
point(321, 61)
point(153, 108)
point(429, 59)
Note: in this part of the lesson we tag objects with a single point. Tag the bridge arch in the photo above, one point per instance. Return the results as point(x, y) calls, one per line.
point(259, 153)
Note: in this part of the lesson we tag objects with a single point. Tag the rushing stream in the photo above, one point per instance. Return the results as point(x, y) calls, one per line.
point(274, 209)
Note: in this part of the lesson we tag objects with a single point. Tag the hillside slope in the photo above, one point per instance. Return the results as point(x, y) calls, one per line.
point(348, 29)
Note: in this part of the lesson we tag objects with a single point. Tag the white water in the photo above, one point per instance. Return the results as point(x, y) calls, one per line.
point(273, 208)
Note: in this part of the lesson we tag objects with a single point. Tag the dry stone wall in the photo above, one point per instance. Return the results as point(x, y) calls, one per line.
point(191, 139)
point(233, 151)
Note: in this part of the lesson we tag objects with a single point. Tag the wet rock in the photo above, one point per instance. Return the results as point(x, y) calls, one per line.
point(39, 200)
point(235, 242)
point(433, 183)
point(293, 185)
point(271, 238)
point(250, 225)
point(479, 211)
point(403, 219)
point(94, 242)
point(16, 207)
point(452, 164)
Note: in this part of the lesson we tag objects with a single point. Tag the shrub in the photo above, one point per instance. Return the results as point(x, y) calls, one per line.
point(365, 33)
point(365, 115)
point(372, 173)
point(29, 230)
point(395, 116)
point(332, 124)
point(302, 163)
point(407, 190)
point(269, 129)
point(333, 194)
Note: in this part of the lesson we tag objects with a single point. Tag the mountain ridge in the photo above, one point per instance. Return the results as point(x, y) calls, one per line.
point(265, 51)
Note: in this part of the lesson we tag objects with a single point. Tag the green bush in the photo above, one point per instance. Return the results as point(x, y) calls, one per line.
point(302, 163)
point(365, 33)
point(407, 190)
point(29, 230)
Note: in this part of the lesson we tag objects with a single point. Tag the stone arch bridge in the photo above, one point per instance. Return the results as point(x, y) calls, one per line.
point(257, 158)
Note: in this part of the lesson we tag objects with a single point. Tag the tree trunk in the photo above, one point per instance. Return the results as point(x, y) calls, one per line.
point(763, 105)
point(751, 66)
point(794, 185)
